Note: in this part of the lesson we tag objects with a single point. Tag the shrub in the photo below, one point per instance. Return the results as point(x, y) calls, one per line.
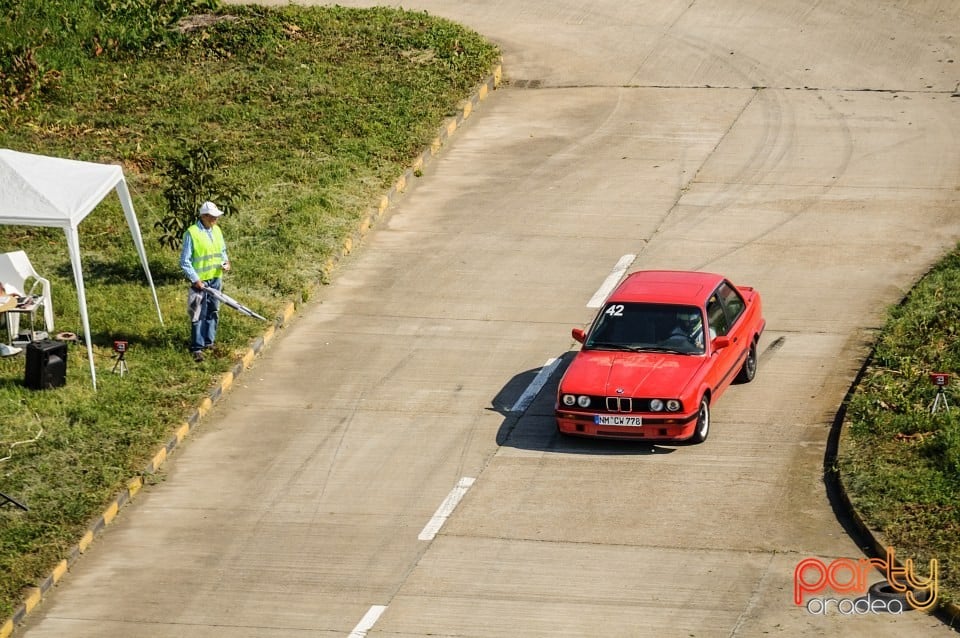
point(194, 178)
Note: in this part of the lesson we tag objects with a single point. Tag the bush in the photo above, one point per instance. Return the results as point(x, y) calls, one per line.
point(22, 77)
point(194, 178)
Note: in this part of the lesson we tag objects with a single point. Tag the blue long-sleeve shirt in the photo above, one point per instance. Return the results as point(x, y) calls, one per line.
point(186, 252)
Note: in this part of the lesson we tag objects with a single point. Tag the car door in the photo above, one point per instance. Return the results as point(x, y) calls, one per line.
point(725, 310)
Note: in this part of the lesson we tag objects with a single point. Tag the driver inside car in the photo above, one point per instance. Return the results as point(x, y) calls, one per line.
point(689, 325)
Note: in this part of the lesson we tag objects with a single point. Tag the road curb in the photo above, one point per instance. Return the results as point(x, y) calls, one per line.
point(870, 540)
point(33, 596)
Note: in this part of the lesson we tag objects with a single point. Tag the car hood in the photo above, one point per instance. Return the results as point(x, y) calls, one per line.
point(634, 374)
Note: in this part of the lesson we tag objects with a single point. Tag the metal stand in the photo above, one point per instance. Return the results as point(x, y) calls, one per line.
point(4, 499)
point(121, 363)
point(940, 401)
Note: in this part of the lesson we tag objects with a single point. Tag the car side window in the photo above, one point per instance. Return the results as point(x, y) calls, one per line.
point(732, 301)
point(717, 317)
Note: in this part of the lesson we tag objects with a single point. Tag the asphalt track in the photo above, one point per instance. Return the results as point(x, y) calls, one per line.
point(383, 469)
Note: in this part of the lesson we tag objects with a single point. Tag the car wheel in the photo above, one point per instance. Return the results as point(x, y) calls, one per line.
point(703, 422)
point(749, 369)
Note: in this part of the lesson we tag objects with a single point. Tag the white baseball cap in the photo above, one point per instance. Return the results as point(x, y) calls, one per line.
point(209, 208)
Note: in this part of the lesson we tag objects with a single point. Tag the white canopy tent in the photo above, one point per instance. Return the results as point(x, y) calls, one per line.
point(38, 190)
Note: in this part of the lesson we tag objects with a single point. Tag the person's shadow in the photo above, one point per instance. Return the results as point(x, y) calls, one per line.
point(529, 423)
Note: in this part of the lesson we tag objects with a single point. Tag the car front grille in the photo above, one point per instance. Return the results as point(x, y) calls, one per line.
point(619, 404)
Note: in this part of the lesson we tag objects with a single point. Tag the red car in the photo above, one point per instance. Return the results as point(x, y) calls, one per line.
point(660, 352)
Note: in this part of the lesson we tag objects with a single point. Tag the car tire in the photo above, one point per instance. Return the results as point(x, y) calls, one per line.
point(749, 369)
point(884, 591)
point(702, 429)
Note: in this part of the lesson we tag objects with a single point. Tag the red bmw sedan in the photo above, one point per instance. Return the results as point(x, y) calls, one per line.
point(661, 351)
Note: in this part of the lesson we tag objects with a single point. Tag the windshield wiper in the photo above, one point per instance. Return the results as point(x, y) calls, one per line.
point(606, 345)
point(659, 349)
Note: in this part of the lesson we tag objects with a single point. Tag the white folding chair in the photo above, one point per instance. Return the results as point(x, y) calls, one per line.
point(16, 272)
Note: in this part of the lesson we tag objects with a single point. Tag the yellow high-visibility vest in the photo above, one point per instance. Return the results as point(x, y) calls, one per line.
point(208, 249)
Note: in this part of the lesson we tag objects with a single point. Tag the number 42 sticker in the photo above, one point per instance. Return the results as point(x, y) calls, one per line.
point(615, 310)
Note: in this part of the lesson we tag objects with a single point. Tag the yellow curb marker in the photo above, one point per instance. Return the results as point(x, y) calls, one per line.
point(85, 541)
point(226, 381)
point(33, 599)
point(158, 459)
point(110, 513)
point(60, 570)
point(134, 485)
point(204, 406)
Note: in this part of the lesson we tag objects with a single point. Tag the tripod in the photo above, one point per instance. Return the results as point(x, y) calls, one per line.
point(940, 401)
point(121, 363)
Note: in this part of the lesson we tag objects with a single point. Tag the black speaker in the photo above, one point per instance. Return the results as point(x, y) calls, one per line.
point(46, 364)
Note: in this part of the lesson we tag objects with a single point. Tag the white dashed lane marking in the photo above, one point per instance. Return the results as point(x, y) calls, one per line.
point(446, 509)
point(611, 281)
point(368, 621)
point(535, 386)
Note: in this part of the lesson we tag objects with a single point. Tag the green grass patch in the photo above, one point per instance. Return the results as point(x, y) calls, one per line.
point(899, 461)
point(314, 111)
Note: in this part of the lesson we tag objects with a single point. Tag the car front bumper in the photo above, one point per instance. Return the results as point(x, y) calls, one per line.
point(678, 427)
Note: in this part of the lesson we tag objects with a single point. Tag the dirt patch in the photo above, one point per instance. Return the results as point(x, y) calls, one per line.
point(201, 21)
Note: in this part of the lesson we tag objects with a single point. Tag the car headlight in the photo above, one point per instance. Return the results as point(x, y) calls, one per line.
point(569, 400)
point(673, 405)
point(656, 405)
point(583, 401)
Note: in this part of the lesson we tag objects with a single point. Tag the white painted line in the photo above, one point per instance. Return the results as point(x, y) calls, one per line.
point(368, 621)
point(611, 281)
point(446, 509)
point(535, 386)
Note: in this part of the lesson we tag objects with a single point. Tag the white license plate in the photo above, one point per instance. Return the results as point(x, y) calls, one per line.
point(633, 421)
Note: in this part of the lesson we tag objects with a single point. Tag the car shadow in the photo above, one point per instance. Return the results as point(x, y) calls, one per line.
point(531, 425)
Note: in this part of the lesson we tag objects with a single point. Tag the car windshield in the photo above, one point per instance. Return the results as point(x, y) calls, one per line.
point(641, 327)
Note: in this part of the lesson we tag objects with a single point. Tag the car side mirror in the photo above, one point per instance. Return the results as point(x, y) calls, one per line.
point(579, 334)
point(719, 343)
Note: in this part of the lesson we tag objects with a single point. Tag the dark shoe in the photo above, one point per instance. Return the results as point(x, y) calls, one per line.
point(198, 356)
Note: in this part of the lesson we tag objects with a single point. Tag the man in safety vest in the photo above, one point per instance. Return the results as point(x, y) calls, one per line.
point(203, 259)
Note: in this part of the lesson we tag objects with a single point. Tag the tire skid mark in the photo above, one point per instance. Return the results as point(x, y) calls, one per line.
point(778, 138)
point(771, 349)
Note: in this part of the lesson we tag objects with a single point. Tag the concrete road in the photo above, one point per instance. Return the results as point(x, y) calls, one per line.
point(383, 471)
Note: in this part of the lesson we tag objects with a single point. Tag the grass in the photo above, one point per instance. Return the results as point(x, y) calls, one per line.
point(314, 111)
point(899, 461)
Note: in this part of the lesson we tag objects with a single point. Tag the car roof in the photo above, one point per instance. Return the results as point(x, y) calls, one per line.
point(667, 286)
